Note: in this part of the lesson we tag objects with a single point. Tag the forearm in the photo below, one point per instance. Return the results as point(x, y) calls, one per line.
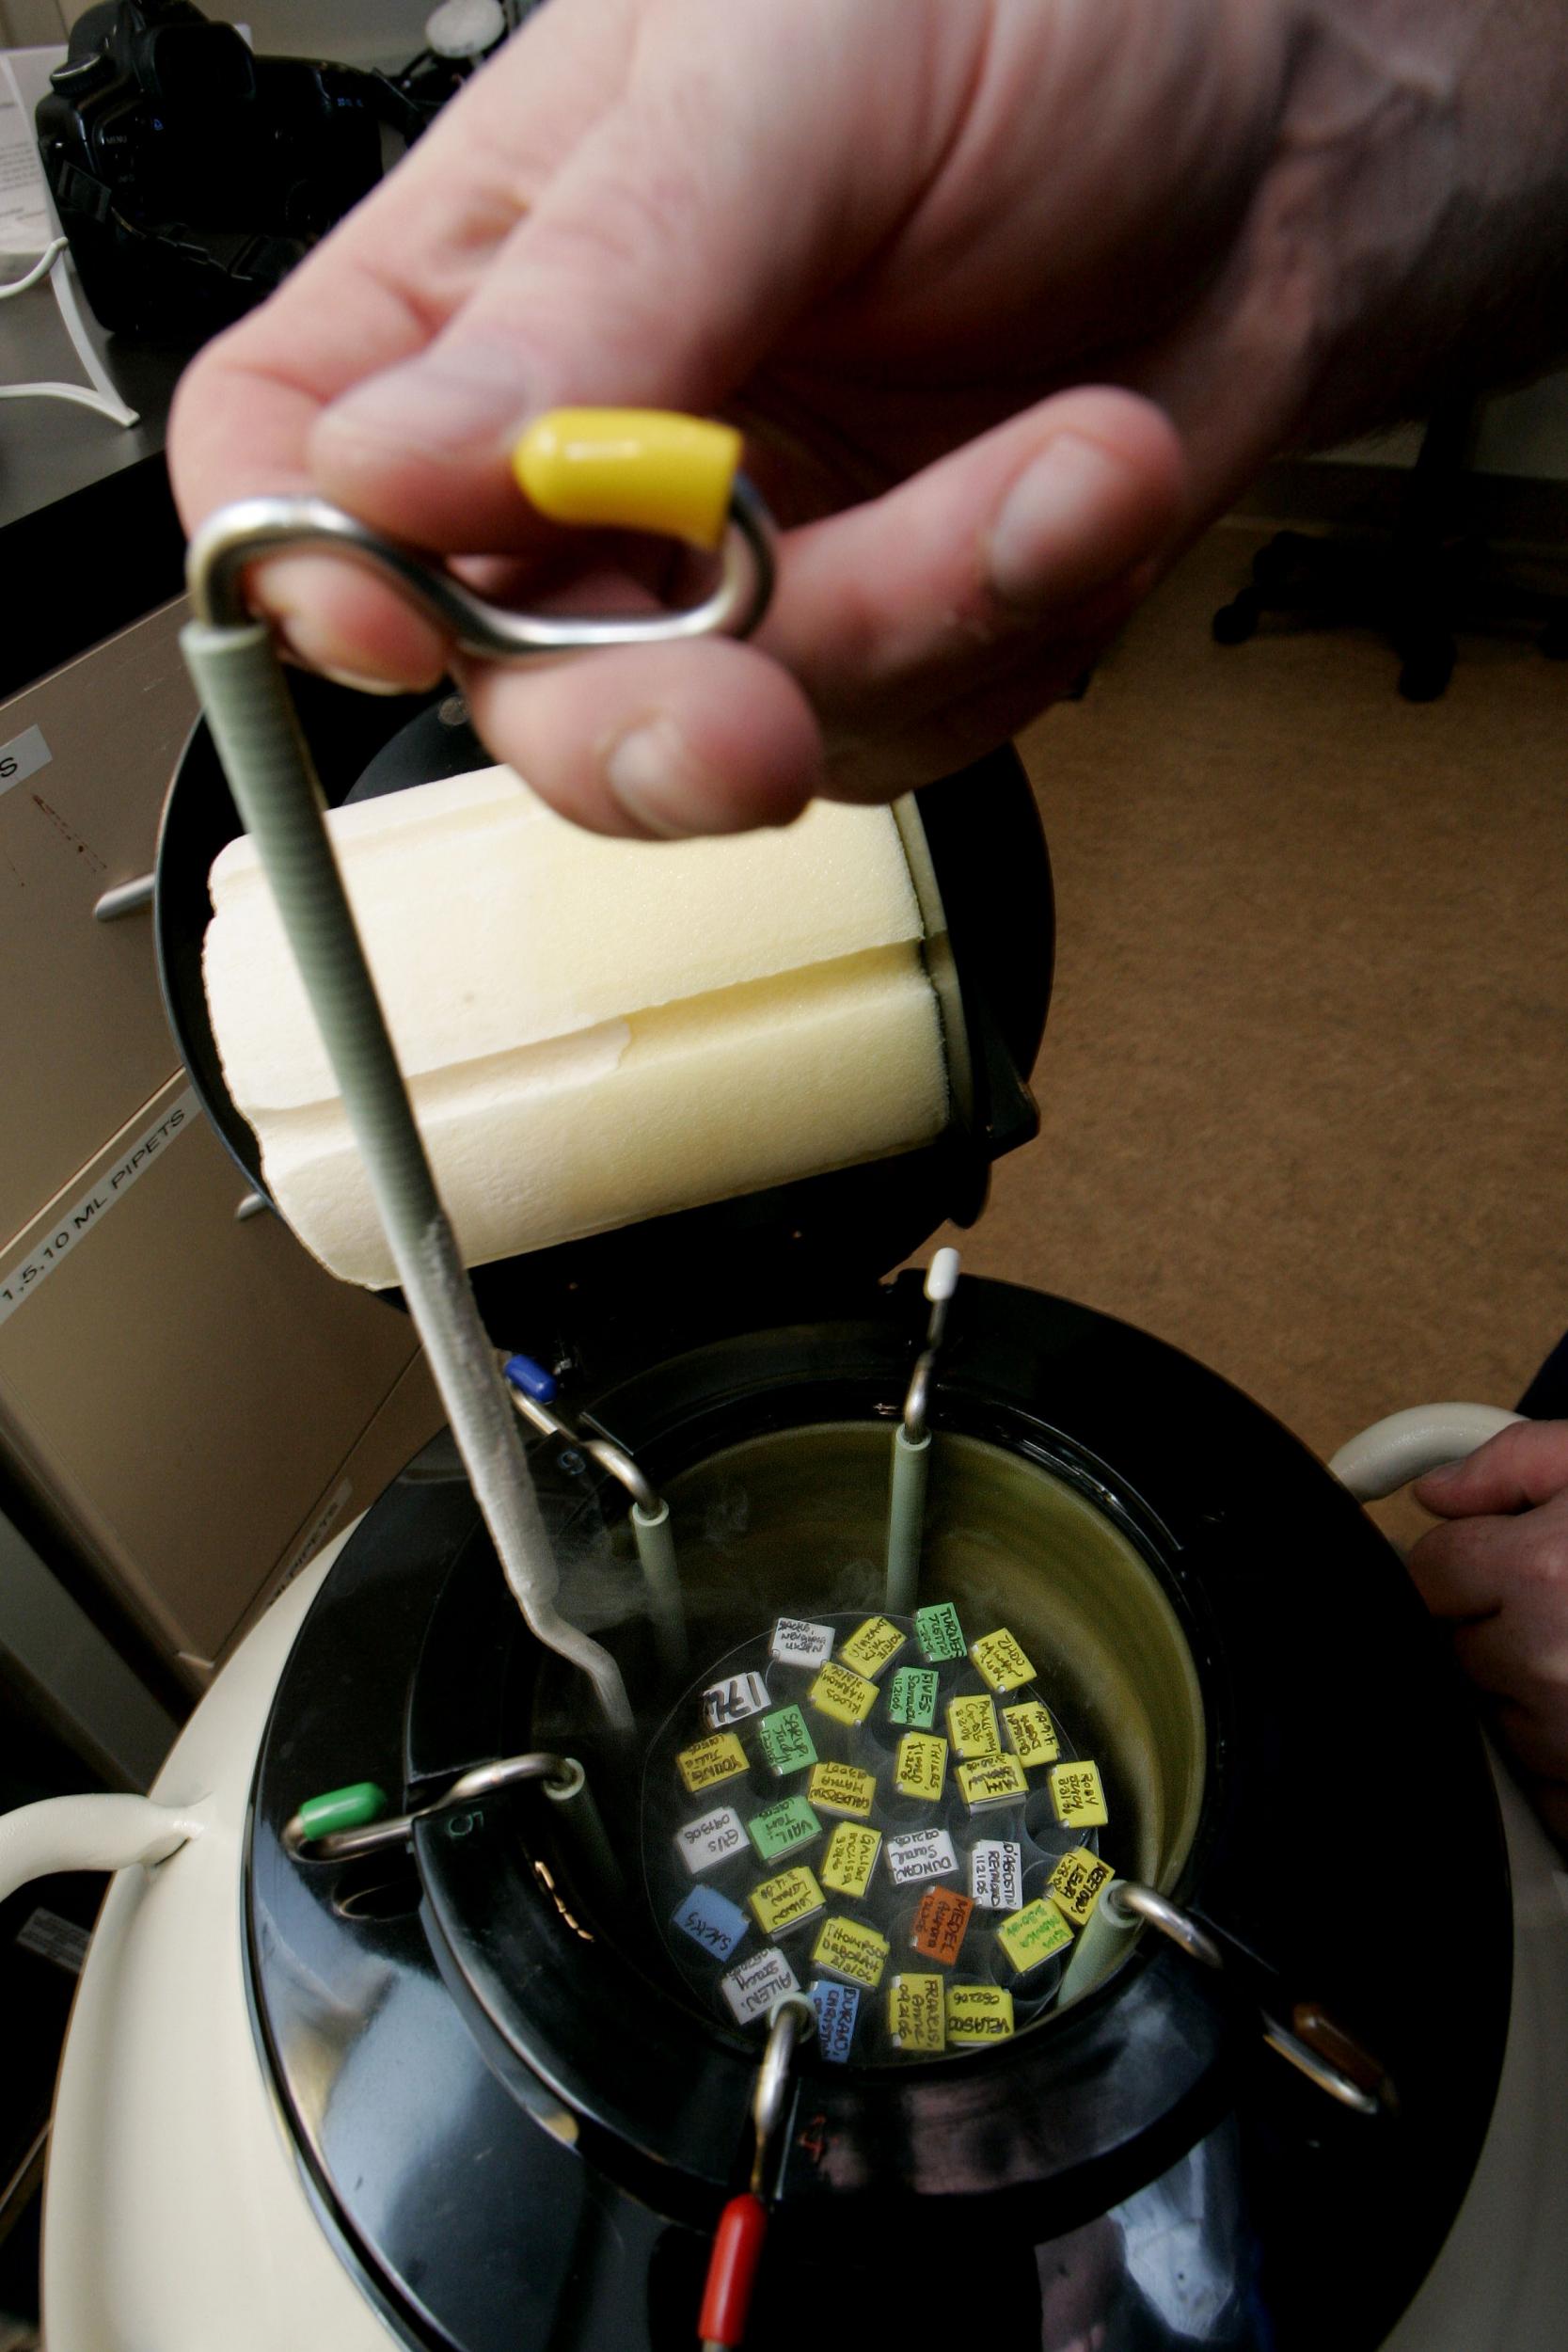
point(1421, 190)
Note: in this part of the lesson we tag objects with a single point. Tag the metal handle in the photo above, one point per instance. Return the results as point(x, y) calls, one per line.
point(244, 534)
point(793, 2021)
point(608, 1455)
point(482, 1780)
point(1312, 2043)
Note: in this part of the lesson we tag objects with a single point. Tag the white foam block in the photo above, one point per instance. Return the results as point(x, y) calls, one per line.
point(593, 1031)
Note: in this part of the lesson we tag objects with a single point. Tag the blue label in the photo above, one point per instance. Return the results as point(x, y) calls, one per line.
point(711, 1920)
point(836, 2006)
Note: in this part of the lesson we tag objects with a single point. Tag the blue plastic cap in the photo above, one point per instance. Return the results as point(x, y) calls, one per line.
point(532, 1378)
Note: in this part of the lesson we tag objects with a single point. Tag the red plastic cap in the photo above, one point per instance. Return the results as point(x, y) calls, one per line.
point(732, 2267)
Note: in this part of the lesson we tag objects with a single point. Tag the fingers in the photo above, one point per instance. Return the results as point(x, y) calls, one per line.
point(1503, 1582)
point(973, 565)
point(1521, 1657)
point(662, 740)
point(924, 628)
point(372, 295)
point(1521, 1466)
point(735, 177)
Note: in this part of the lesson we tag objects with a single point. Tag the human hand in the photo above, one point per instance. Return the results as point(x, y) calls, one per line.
point(1011, 294)
point(1497, 1572)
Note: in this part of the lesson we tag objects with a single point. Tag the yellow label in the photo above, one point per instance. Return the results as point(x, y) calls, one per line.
point(1076, 1884)
point(782, 1902)
point(921, 1766)
point(916, 2014)
point(842, 1788)
point(979, 2012)
point(994, 1780)
point(849, 1948)
point(850, 1858)
point(843, 1694)
point(971, 1728)
point(1001, 1660)
point(1078, 1797)
point(1033, 1935)
point(872, 1646)
point(712, 1760)
point(1032, 1733)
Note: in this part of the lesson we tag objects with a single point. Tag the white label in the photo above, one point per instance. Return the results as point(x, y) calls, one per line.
point(19, 1282)
point(731, 1702)
point(23, 757)
point(996, 1874)
point(26, 215)
point(923, 1853)
point(702, 1843)
point(799, 1643)
point(53, 1938)
point(751, 1989)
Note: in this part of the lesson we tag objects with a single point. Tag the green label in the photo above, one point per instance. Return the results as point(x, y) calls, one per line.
point(911, 1697)
point(784, 1826)
point(939, 1633)
point(784, 1741)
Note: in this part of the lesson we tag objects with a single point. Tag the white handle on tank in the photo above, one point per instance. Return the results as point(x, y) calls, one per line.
point(87, 1832)
point(1406, 1445)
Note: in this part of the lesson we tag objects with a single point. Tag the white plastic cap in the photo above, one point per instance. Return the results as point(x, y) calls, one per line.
point(464, 28)
point(941, 1279)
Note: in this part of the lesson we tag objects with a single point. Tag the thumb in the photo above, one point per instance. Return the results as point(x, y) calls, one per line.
point(679, 238)
point(1520, 1467)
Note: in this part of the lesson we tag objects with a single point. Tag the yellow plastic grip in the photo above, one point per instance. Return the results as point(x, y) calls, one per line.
point(630, 468)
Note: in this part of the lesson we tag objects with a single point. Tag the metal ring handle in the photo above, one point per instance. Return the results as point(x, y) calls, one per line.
point(608, 1455)
point(252, 529)
point(917, 1397)
point(1319, 2069)
point(792, 2020)
point(478, 1781)
point(1129, 1897)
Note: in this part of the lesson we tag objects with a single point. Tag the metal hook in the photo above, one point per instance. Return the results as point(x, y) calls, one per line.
point(941, 1281)
point(608, 1455)
point(563, 1772)
point(1127, 1898)
point(251, 529)
point(793, 2021)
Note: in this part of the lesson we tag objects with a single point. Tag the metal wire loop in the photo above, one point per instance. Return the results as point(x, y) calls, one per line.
point(1320, 2070)
point(608, 1455)
point(793, 2021)
point(1130, 1898)
point(917, 1397)
point(251, 529)
point(562, 1772)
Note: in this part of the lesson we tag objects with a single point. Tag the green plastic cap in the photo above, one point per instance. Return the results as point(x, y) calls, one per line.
point(342, 1808)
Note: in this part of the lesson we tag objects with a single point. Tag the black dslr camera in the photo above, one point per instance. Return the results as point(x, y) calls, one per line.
point(190, 175)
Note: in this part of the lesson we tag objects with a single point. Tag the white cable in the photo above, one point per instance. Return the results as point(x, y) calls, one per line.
point(100, 396)
point(40, 269)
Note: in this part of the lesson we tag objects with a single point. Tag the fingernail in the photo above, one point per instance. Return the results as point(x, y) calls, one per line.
point(1054, 504)
point(654, 777)
point(359, 685)
point(1446, 1474)
point(446, 401)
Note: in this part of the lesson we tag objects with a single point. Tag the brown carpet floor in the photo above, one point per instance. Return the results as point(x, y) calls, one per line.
point(1304, 1083)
